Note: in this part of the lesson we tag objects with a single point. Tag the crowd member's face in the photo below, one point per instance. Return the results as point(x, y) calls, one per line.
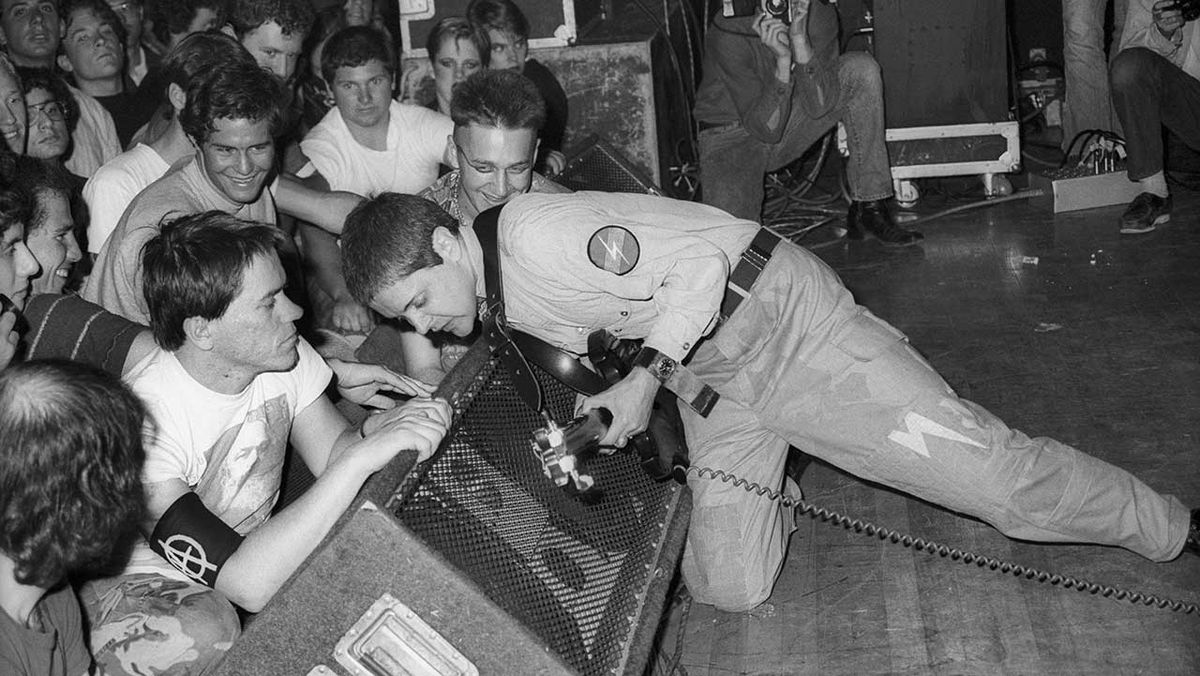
point(238, 156)
point(206, 19)
point(17, 265)
point(438, 298)
point(130, 12)
point(12, 110)
point(93, 50)
point(273, 50)
point(358, 12)
point(48, 134)
point(495, 164)
point(508, 51)
point(257, 333)
point(363, 93)
point(52, 242)
point(32, 31)
point(455, 60)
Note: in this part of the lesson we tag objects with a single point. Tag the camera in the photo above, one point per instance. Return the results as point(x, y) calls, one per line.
point(780, 9)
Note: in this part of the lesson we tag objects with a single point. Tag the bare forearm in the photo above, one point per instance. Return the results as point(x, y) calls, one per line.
point(269, 555)
point(323, 260)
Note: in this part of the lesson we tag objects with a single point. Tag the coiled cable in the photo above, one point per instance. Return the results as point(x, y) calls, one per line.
point(945, 551)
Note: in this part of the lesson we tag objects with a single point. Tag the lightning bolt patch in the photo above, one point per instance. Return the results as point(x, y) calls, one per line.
point(614, 249)
point(913, 438)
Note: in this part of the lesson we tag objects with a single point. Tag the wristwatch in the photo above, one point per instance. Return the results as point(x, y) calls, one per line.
point(658, 364)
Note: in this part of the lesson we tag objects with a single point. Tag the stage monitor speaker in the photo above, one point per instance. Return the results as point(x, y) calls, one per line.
point(475, 562)
point(596, 165)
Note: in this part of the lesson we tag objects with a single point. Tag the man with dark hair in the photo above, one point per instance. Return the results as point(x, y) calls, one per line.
point(138, 61)
point(174, 20)
point(50, 232)
point(112, 188)
point(51, 112)
point(772, 330)
point(273, 31)
point(773, 88)
point(497, 115)
point(230, 119)
point(32, 31)
point(507, 30)
point(70, 494)
point(17, 264)
point(231, 385)
point(367, 144)
point(93, 54)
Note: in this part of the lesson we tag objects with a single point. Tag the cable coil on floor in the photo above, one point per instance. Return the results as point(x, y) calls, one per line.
point(932, 547)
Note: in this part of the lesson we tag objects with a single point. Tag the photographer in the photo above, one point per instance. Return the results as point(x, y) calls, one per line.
point(771, 89)
point(1155, 83)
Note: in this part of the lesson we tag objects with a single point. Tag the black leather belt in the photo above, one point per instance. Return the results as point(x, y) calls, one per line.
point(746, 272)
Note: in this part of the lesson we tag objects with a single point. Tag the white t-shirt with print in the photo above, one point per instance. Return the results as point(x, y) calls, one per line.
point(228, 448)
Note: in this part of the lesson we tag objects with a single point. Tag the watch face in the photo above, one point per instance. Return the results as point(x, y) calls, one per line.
point(666, 368)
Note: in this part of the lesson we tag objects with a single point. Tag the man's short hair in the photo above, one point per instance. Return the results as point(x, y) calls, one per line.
point(198, 56)
point(504, 99)
point(353, 47)
point(36, 176)
point(453, 29)
point(70, 468)
point(106, 15)
point(387, 238)
point(16, 205)
point(44, 78)
point(173, 17)
point(194, 268)
point(293, 16)
point(240, 91)
point(500, 15)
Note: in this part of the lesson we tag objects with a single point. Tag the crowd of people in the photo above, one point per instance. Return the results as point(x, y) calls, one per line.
point(179, 178)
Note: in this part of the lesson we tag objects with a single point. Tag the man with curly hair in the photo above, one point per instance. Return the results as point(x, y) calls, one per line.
point(273, 31)
point(70, 493)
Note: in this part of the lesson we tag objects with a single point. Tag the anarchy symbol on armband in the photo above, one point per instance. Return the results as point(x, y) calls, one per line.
point(188, 556)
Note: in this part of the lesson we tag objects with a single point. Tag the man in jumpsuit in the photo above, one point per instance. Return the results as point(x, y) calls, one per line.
point(795, 361)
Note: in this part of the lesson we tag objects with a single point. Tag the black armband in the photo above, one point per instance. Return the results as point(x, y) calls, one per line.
point(194, 540)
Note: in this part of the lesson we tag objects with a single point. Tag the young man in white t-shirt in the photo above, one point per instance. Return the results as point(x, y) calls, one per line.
point(230, 386)
point(367, 144)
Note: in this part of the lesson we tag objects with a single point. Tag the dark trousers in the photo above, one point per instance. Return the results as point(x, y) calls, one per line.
point(1149, 92)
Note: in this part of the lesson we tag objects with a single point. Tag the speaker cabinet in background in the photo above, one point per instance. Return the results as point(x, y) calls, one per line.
point(943, 63)
point(629, 82)
point(477, 563)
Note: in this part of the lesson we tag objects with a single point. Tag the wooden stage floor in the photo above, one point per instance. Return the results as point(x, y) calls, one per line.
point(1065, 329)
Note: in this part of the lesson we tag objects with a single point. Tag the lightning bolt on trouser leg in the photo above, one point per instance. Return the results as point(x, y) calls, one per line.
point(800, 363)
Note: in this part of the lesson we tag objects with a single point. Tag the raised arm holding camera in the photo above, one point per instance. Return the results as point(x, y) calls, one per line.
point(773, 85)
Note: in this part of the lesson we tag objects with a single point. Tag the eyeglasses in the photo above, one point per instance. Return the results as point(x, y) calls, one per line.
point(53, 111)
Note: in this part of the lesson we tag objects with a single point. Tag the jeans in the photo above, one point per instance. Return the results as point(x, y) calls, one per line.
point(1088, 104)
point(732, 163)
point(1150, 92)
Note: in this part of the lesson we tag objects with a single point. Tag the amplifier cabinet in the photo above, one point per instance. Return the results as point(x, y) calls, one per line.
point(475, 562)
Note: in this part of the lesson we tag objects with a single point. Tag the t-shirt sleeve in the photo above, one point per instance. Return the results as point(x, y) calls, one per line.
point(107, 200)
point(68, 327)
point(437, 127)
point(323, 156)
point(312, 375)
point(69, 622)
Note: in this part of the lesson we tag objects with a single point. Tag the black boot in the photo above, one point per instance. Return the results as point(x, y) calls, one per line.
point(1192, 544)
point(873, 217)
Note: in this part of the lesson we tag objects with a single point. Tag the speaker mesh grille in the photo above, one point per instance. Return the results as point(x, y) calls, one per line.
point(599, 166)
point(574, 574)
